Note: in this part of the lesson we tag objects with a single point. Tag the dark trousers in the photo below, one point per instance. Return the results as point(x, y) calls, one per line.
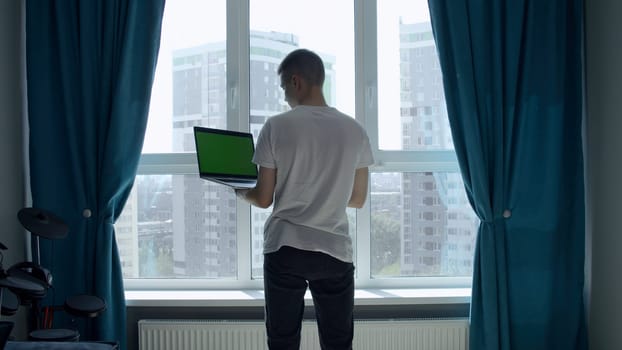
point(287, 273)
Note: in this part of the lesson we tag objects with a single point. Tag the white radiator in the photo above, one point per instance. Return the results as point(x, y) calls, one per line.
point(250, 335)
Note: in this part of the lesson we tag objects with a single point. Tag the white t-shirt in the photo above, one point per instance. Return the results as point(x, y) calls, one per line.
point(316, 151)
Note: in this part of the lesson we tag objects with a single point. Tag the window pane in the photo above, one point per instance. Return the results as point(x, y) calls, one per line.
point(182, 226)
point(421, 225)
point(178, 226)
point(272, 37)
point(411, 100)
point(190, 81)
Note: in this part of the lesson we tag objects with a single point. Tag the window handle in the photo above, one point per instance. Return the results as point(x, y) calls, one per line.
point(370, 96)
point(233, 96)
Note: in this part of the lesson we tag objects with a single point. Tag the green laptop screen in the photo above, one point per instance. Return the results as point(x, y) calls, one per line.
point(224, 153)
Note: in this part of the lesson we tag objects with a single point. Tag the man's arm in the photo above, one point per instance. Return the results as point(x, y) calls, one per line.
point(262, 194)
point(359, 189)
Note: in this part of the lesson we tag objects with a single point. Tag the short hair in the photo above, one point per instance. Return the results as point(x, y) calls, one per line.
point(305, 63)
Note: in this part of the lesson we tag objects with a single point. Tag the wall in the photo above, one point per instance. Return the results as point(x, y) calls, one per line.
point(604, 146)
point(11, 149)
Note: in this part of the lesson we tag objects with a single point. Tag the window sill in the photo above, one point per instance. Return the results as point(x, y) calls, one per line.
point(254, 298)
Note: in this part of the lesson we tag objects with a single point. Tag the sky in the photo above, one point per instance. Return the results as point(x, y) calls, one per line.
point(324, 26)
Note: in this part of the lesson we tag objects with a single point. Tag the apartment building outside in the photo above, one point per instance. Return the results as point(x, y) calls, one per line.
point(438, 225)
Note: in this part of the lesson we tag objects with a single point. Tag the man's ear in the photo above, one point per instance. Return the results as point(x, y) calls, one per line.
point(296, 82)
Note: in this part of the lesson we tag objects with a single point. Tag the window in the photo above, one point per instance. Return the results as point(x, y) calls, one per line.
point(217, 68)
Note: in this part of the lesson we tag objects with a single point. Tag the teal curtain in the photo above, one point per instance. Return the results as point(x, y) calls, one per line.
point(513, 85)
point(90, 67)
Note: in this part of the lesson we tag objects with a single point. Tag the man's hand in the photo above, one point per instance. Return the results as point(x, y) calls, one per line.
point(359, 189)
point(241, 193)
point(262, 194)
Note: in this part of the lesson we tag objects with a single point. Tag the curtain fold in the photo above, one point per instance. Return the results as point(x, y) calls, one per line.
point(513, 85)
point(90, 68)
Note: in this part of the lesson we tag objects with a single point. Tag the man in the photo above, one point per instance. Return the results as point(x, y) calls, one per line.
point(313, 162)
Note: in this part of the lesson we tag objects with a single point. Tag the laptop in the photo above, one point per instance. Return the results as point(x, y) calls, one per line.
point(225, 157)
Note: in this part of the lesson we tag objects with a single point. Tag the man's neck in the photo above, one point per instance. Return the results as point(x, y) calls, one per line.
point(314, 98)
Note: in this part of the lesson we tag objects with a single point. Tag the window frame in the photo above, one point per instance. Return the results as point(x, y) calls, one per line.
point(366, 111)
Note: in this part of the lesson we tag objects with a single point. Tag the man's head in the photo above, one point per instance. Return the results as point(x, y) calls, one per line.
point(302, 77)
